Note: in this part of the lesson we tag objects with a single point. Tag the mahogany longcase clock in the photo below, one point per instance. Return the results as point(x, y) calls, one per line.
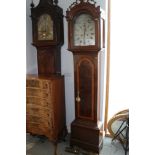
point(48, 35)
point(86, 41)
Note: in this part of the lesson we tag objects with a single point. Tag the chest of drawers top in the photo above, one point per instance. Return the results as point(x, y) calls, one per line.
point(44, 76)
point(40, 81)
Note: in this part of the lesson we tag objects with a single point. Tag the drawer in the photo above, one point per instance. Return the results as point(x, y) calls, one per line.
point(33, 83)
point(37, 111)
point(38, 101)
point(42, 93)
point(41, 84)
point(37, 128)
point(41, 121)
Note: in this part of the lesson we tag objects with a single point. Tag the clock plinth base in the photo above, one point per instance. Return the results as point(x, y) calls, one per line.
point(86, 135)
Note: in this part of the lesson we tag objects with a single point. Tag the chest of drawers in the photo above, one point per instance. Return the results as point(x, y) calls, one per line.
point(45, 106)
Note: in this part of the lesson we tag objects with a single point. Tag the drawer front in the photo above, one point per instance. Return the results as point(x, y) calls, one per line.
point(37, 111)
point(35, 83)
point(37, 128)
point(33, 92)
point(43, 114)
point(42, 121)
point(35, 101)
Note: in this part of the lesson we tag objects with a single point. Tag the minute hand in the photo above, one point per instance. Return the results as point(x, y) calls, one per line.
point(84, 35)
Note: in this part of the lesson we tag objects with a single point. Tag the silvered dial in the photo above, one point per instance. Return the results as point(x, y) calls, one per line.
point(84, 30)
point(45, 27)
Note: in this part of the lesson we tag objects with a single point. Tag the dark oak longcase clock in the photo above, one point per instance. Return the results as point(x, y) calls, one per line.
point(48, 35)
point(86, 41)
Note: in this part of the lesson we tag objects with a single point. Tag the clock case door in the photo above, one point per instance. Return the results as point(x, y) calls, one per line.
point(48, 51)
point(86, 87)
point(86, 128)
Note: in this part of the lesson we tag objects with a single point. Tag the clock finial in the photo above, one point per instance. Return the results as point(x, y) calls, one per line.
point(46, 2)
point(77, 2)
point(32, 4)
point(56, 2)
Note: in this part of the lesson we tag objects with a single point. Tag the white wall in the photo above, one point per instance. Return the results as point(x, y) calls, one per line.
point(66, 57)
point(119, 79)
point(31, 53)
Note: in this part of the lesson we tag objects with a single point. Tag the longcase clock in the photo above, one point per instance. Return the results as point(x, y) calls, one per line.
point(48, 35)
point(86, 41)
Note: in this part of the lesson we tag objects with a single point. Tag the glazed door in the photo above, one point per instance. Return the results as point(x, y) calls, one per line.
point(85, 92)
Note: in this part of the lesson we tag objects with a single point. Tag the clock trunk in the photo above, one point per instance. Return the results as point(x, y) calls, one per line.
point(86, 128)
point(49, 60)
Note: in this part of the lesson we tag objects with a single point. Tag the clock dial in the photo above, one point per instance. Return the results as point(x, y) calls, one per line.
point(84, 30)
point(45, 27)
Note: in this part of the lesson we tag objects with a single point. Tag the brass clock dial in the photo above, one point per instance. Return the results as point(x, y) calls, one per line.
point(45, 27)
point(84, 30)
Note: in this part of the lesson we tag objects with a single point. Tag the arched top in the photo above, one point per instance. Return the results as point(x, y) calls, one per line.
point(45, 27)
point(85, 6)
point(81, 1)
point(45, 2)
point(85, 60)
point(46, 6)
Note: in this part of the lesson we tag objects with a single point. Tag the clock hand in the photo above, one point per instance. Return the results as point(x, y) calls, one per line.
point(84, 25)
point(46, 25)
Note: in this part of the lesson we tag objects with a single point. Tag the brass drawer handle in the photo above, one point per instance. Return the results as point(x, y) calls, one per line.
point(78, 99)
point(45, 86)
